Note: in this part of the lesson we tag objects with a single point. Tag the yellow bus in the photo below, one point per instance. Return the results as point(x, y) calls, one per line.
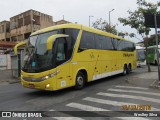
point(68, 55)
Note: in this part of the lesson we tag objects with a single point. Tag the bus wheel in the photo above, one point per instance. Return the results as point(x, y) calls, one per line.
point(125, 70)
point(129, 68)
point(155, 62)
point(80, 81)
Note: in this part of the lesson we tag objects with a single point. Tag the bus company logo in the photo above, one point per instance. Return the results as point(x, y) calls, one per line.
point(128, 55)
point(6, 114)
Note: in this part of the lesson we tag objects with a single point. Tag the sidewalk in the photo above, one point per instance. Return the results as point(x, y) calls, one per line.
point(6, 77)
point(145, 78)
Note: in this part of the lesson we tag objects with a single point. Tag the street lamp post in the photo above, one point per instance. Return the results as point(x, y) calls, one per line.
point(90, 19)
point(110, 17)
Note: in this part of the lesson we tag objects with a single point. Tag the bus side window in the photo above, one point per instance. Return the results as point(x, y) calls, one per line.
point(61, 51)
point(87, 41)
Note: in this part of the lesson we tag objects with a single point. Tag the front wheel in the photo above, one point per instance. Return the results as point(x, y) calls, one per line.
point(80, 81)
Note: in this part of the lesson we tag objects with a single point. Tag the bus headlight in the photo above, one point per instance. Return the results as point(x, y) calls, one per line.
point(40, 79)
point(48, 85)
point(50, 75)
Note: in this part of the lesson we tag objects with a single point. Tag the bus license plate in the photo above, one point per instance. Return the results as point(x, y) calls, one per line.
point(31, 86)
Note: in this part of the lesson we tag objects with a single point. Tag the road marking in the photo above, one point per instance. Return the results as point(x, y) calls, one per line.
point(114, 103)
point(66, 118)
point(141, 88)
point(130, 96)
point(134, 91)
point(90, 108)
point(132, 118)
point(85, 107)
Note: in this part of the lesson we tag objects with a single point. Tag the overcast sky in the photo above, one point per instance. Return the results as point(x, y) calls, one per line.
point(73, 10)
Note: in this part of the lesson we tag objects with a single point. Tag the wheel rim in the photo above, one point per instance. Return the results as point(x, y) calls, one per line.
point(80, 80)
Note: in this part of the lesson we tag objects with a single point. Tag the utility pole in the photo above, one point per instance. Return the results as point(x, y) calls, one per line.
point(110, 17)
point(155, 21)
point(90, 19)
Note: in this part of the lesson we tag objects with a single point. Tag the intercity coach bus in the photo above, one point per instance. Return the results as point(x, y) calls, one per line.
point(72, 55)
point(141, 56)
point(152, 55)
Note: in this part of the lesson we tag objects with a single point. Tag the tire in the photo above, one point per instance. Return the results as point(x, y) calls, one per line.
point(129, 69)
point(80, 81)
point(155, 62)
point(125, 70)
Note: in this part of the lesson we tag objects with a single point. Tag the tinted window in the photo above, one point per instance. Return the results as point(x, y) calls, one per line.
point(98, 39)
point(73, 34)
point(125, 45)
point(107, 43)
point(120, 44)
point(114, 43)
point(61, 51)
point(87, 41)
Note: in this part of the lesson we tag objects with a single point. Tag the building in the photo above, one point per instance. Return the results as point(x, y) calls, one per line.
point(22, 25)
point(5, 31)
point(61, 22)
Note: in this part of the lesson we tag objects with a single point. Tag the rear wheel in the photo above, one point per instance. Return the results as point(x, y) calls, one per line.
point(155, 62)
point(124, 70)
point(80, 81)
point(129, 68)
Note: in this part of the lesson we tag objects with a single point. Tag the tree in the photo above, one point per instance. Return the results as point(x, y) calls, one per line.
point(104, 25)
point(136, 19)
point(123, 34)
point(152, 40)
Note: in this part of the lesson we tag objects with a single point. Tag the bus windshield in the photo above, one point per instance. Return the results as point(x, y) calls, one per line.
point(38, 58)
point(141, 55)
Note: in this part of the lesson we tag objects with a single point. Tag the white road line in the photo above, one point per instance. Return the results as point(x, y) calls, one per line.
point(85, 107)
point(90, 108)
point(66, 118)
point(130, 96)
point(132, 118)
point(111, 102)
point(141, 88)
point(134, 91)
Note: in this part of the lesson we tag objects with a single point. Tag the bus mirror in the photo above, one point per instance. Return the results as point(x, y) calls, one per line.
point(18, 45)
point(52, 38)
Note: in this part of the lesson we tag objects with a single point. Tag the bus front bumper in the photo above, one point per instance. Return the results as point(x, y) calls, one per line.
point(48, 84)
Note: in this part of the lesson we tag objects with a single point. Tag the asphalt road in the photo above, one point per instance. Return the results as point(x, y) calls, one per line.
point(108, 94)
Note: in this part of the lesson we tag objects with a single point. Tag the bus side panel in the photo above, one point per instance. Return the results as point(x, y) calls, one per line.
point(63, 76)
point(106, 64)
point(151, 55)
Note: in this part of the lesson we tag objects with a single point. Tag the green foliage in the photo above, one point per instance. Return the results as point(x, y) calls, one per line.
point(136, 18)
point(151, 40)
point(104, 25)
point(123, 34)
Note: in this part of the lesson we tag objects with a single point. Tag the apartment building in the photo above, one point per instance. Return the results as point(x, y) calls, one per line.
point(22, 25)
point(5, 31)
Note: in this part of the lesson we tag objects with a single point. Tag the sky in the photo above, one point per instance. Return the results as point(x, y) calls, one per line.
point(75, 10)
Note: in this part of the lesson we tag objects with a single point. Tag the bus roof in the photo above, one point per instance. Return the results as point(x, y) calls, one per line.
point(78, 26)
